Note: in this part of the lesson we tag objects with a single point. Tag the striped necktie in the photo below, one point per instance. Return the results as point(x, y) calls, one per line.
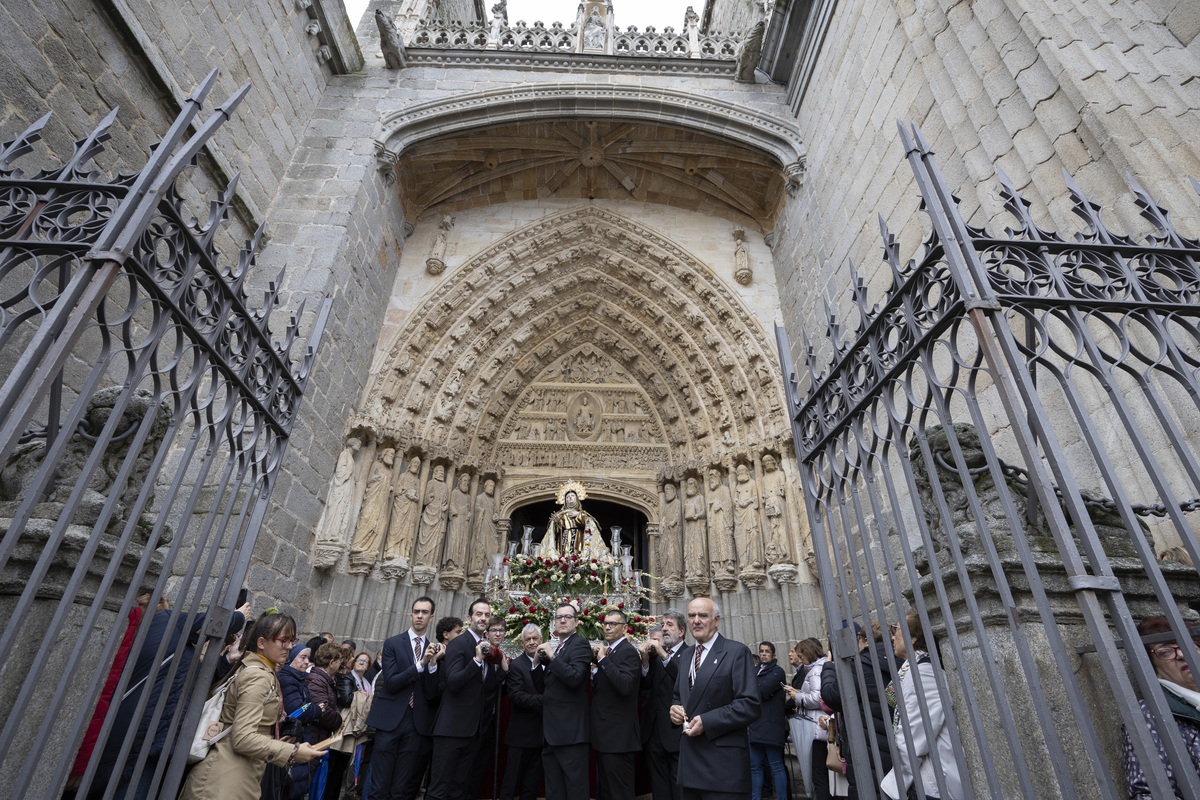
point(416, 660)
point(696, 665)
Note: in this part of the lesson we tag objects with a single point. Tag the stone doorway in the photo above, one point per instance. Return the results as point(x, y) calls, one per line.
point(631, 522)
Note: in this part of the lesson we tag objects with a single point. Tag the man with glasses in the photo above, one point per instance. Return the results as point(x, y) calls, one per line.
point(616, 735)
point(403, 709)
point(495, 664)
point(661, 660)
point(458, 728)
point(565, 710)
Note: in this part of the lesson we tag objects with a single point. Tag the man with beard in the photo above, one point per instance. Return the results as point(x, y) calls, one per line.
point(661, 660)
point(565, 710)
point(526, 682)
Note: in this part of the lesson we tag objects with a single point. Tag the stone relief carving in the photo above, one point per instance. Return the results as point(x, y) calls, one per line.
point(749, 529)
point(338, 515)
point(741, 261)
point(458, 531)
point(695, 540)
point(483, 536)
point(402, 529)
point(433, 528)
point(647, 500)
point(775, 508)
point(670, 544)
point(373, 518)
point(722, 547)
point(435, 264)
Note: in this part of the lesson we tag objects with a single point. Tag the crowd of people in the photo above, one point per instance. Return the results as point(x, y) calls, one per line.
point(325, 721)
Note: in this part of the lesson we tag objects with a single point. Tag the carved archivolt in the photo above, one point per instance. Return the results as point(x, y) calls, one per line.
point(582, 346)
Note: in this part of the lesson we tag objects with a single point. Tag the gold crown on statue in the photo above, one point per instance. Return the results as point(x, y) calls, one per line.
point(571, 486)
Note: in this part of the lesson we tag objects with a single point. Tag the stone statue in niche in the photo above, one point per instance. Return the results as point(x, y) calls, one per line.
point(433, 524)
point(435, 264)
point(669, 544)
point(749, 528)
point(402, 529)
point(594, 31)
point(722, 550)
point(391, 43)
point(483, 535)
point(741, 261)
point(373, 518)
point(695, 540)
point(774, 497)
point(338, 515)
point(457, 532)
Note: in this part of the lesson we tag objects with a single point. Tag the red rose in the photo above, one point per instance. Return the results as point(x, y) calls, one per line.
point(603, 599)
point(637, 619)
point(620, 605)
point(512, 609)
point(545, 580)
point(593, 573)
point(526, 622)
point(584, 612)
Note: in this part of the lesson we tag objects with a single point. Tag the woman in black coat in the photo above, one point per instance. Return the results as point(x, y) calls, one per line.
point(294, 688)
point(769, 733)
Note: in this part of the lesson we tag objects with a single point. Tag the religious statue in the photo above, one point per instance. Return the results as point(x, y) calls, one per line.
point(748, 527)
point(695, 547)
point(573, 531)
point(774, 497)
point(483, 535)
point(433, 520)
point(373, 519)
point(339, 510)
point(670, 542)
point(405, 509)
point(721, 549)
point(594, 32)
point(457, 531)
point(741, 261)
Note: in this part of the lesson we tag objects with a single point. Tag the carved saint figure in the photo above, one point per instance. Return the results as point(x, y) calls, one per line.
point(746, 522)
point(339, 510)
point(670, 544)
point(774, 498)
point(373, 519)
point(402, 530)
point(573, 531)
point(594, 32)
point(585, 419)
point(457, 532)
point(433, 520)
point(695, 546)
point(483, 535)
point(722, 551)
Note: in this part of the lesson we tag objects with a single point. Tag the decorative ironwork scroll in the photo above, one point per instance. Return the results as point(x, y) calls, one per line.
point(144, 413)
point(1002, 454)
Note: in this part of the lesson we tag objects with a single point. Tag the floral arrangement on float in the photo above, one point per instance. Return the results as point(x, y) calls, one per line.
point(570, 565)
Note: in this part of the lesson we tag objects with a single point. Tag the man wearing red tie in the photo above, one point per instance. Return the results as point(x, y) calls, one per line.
point(402, 711)
point(716, 699)
point(565, 708)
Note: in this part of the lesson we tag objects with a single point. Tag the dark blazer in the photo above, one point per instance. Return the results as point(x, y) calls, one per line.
point(876, 716)
point(615, 727)
point(659, 685)
point(398, 681)
point(525, 693)
point(771, 726)
point(726, 697)
point(462, 707)
point(565, 713)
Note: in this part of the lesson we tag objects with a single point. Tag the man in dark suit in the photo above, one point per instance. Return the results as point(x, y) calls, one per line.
point(526, 682)
point(616, 735)
point(716, 699)
point(661, 660)
point(565, 710)
point(497, 666)
point(457, 730)
point(403, 709)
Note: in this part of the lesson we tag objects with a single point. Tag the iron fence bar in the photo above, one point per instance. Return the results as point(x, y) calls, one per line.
point(1016, 394)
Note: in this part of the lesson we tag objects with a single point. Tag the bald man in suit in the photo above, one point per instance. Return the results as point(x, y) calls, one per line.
point(716, 699)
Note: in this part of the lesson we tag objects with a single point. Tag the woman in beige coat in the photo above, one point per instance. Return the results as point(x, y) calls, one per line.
point(234, 767)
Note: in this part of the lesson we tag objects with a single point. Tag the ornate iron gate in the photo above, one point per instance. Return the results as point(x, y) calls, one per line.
point(998, 445)
point(144, 414)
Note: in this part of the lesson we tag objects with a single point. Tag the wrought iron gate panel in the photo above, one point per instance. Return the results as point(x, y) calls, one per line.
point(943, 442)
point(165, 407)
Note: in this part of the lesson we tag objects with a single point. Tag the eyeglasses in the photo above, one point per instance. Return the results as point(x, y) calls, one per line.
point(284, 642)
point(563, 617)
point(495, 630)
point(611, 623)
point(1171, 652)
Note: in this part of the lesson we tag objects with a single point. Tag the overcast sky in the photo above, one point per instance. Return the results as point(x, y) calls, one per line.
point(659, 13)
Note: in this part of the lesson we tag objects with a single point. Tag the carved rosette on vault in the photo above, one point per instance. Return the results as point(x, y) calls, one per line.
point(583, 346)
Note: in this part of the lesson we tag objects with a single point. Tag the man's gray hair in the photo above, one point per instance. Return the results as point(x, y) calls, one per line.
point(655, 629)
point(528, 629)
point(716, 609)
point(678, 616)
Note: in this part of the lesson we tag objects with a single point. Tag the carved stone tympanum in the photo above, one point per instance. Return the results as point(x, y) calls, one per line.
point(373, 519)
point(338, 515)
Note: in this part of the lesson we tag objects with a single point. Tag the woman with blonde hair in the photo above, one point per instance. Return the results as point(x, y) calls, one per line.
point(253, 707)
